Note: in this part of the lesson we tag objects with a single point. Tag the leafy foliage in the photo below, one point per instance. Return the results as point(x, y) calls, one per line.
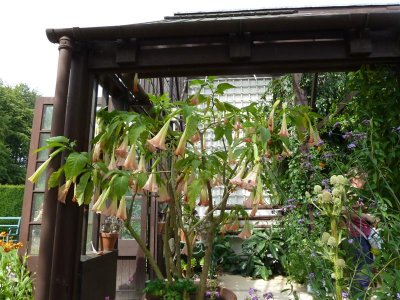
point(16, 123)
point(11, 198)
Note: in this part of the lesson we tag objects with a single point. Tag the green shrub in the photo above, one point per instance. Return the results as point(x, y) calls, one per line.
point(11, 198)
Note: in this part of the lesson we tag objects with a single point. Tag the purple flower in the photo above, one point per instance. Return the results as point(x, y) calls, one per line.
point(347, 135)
point(350, 241)
point(351, 146)
point(252, 291)
point(311, 275)
point(337, 124)
point(255, 297)
point(327, 155)
point(325, 183)
point(320, 143)
point(398, 295)
point(268, 295)
point(345, 295)
point(300, 221)
point(289, 207)
point(208, 294)
point(217, 295)
point(396, 129)
point(291, 200)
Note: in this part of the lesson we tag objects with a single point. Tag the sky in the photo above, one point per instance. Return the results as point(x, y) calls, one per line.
point(26, 55)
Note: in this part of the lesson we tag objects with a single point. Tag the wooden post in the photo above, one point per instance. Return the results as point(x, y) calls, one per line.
point(50, 198)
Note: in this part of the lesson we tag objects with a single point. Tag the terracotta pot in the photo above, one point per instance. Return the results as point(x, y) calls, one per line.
point(108, 241)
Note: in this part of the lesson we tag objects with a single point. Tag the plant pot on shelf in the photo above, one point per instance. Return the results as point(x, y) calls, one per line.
point(108, 240)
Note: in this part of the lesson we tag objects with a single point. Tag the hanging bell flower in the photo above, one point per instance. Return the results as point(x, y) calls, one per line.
point(100, 204)
point(130, 162)
point(151, 184)
point(113, 164)
point(63, 191)
point(122, 150)
point(237, 180)
point(163, 195)
point(180, 150)
point(96, 152)
point(246, 232)
point(121, 213)
point(111, 209)
point(195, 138)
point(271, 117)
point(284, 131)
point(204, 200)
point(158, 142)
point(142, 165)
point(250, 181)
point(248, 203)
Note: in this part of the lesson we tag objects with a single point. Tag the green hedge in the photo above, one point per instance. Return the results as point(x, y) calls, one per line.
point(11, 198)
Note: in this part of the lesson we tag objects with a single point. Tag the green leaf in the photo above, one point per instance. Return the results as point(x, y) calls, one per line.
point(57, 140)
point(194, 192)
point(191, 125)
point(88, 193)
point(265, 134)
point(120, 185)
point(135, 132)
point(197, 82)
point(264, 272)
point(219, 105)
point(81, 187)
point(219, 132)
point(141, 179)
point(231, 108)
point(76, 163)
point(54, 178)
point(222, 87)
point(228, 133)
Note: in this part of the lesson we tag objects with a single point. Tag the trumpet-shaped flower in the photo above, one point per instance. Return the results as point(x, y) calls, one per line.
point(142, 165)
point(246, 232)
point(271, 117)
point(63, 191)
point(237, 180)
point(195, 138)
point(100, 204)
point(250, 181)
point(180, 150)
point(248, 203)
point(122, 150)
point(284, 131)
point(112, 209)
point(158, 142)
point(35, 176)
point(151, 184)
point(113, 164)
point(121, 213)
point(204, 200)
point(130, 161)
point(96, 152)
point(163, 195)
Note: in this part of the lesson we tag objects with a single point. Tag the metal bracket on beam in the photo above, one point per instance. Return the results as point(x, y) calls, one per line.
point(360, 42)
point(126, 52)
point(240, 46)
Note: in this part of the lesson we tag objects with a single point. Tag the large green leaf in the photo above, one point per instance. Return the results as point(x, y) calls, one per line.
point(194, 192)
point(219, 132)
point(88, 193)
point(81, 187)
point(75, 164)
point(222, 87)
point(54, 178)
point(135, 131)
point(191, 125)
point(120, 185)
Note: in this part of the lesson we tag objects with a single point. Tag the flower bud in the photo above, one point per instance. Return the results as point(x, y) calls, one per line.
point(333, 179)
point(325, 237)
point(326, 196)
point(332, 241)
point(317, 189)
point(340, 263)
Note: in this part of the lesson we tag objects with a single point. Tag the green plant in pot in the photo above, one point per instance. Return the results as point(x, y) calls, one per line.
point(164, 156)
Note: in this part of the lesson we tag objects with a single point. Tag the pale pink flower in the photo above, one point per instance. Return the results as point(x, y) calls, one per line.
point(142, 165)
point(195, 138)
point(121, 213)
point(100, 205)
point(271, 117)
point(151, 184)
point(284, 131)
point(130, 161)
point(237, 180)
point(248, 203)
point(96, 152)
point(204, 200)
point(180, 150)
point(122, 150)
point(113, 164)
point(119, 161)
point(111, 209)
point(158, 142)
point(250, 181)
point(63, 191)
point(163, 195)
point(246, 232)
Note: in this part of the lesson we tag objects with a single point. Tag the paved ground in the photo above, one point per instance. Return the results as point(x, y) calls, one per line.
point(240, 285)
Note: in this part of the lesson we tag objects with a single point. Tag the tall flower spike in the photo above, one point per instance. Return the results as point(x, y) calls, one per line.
point(130, 161)
point(151, 184)
point(284, 131)
point(271, 117)
point(237, 180)
point(158, 142)
point(121, 213)
point(122, 150)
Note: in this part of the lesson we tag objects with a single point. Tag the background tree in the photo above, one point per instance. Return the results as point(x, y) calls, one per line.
point(16, 104)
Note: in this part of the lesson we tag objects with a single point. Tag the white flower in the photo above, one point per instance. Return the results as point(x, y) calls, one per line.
point(317, 189)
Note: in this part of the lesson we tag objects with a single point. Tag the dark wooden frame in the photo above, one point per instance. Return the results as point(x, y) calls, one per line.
point(271, 42)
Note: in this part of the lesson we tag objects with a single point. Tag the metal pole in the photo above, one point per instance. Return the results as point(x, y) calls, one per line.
point(69, 222)
point(50, 198)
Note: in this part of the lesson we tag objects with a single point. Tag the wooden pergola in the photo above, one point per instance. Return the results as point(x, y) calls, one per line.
point(192, 44)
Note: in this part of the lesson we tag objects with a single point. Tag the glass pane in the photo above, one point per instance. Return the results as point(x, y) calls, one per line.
point(41, 183)
point(43, 155)
point(37, 207)
point(34, 240)
point(46, 117)
point(135, 220)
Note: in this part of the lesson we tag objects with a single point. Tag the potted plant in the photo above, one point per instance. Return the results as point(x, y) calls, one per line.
point(109, 233)
point(165, 155)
